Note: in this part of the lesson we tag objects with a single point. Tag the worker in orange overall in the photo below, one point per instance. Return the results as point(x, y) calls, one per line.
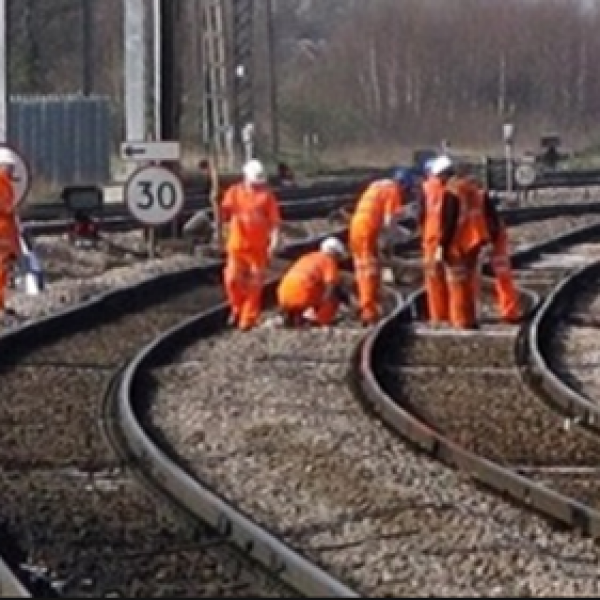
point(462, 235)
point(373, 218)
point(436, 286)
point(253, 214)
point(9, 230)
point(312, 285)
point(507, 297)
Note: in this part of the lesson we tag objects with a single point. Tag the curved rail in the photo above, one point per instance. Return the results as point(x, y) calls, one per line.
point(199, 498)
point(168, 473)
point(503, 480)
point(575, 405)
point(13, 579)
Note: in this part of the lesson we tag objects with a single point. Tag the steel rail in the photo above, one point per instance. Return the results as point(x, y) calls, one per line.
point(504, 480)
point(172, 476)
point(577, 406)
point(13, 579)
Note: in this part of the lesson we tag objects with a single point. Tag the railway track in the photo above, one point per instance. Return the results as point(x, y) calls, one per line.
point(75, 520)
point(36, 481)
point(475, 401)
point(268, 419)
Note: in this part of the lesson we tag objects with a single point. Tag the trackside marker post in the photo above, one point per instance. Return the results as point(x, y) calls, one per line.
point(154, 196)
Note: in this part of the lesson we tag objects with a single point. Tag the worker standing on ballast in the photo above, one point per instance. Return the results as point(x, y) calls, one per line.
point(312, 284)
point(374, 216)
point(9, 229)
point(463, 232)
point(436, 286)
point(252, 211)
point(506, 295)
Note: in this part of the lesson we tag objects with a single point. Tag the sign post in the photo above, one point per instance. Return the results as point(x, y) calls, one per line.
point(508, 132)
point(154, 196)
point(151, 151)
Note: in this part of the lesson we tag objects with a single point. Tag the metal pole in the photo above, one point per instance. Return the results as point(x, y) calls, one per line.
point(3, 74)
point(273, 81)
point(87, 41)
point(509, 176)
point(135, 67)
point(157, 11)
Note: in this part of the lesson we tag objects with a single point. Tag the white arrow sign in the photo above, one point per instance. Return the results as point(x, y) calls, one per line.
point(154, 195)
point(150, 151)
point(21, 177)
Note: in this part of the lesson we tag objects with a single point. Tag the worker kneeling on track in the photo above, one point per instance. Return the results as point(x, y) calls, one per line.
point(374, 216)
point(313, 285)
point(254, 216)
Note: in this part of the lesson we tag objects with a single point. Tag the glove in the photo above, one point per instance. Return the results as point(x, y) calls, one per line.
point(342, 295)
point(273, 248)
point(439, 254)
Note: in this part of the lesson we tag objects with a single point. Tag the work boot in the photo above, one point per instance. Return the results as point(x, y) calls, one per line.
point(292, 320)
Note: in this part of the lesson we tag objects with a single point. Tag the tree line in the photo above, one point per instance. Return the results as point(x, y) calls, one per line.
point(355, 71)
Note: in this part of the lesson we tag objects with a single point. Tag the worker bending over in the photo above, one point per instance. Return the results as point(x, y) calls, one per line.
point(371, 221)
point(9, 230)
point(462, 234)
point(253, 213)
point(312, 284)
point(434, 272)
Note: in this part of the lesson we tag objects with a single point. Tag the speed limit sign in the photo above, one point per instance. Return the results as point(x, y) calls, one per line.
point(154, 195)
point(525, 175)
point(21, 176)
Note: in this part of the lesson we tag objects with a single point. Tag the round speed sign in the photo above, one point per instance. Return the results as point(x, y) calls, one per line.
point(154, 195)
point(525, 175)
point(21, 177)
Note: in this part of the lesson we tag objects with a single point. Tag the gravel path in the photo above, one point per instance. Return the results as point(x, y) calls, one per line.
point(269, 418)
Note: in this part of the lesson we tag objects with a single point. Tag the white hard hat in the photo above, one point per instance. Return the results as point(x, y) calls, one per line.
point(254, 172)
point(332, 245)
point(6, 157)
point(439, 165)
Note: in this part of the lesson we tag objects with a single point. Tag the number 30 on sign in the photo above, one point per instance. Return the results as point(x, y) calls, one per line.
point(154, 195)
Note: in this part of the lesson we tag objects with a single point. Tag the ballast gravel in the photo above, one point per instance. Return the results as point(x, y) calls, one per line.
point(269, 419)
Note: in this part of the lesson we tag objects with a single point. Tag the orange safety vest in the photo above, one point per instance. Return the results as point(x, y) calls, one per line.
point(253, 214)
point(307, 278)
point(380, 199)
point(433, 192)
point(471, 230)
point(9, 234)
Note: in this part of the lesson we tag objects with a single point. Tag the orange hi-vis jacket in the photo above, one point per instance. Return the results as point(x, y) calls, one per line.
point(253, 213)
point(9, 233)
point(380, 200)
point(307, 279)
point(433, 192)
point(471, 230)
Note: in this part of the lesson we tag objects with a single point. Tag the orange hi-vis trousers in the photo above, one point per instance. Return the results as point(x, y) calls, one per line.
point(325, 311)
point(507, 298)
point(363, 246)
point(436, 287)
point(244, 281)
point(462, 275)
